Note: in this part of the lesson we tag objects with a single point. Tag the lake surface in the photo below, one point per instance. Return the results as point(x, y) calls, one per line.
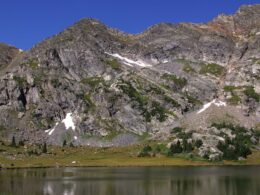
point(133, 181)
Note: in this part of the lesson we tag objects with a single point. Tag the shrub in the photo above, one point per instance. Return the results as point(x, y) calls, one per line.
point(235, 99)
point(198, 143)
point(175, 149)
point(187, 68)
point(239, 146)
point(21, 81)
point(158, 111)
point(21, 143)
point(114, 64)
point(32, 63)
point(179, 81)
point(93, 81)
point(176, 130)
point(193, 100)
point(145, 151)
point(172, 101)
point(183, 135)
point(250, 92)
point(232, 150)
point(134, 94)
point(160, 148)
point(229, 88)
point(214, 69)
point(87, 100)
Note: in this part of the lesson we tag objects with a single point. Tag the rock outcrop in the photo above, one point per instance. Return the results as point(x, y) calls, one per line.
point(92, 85)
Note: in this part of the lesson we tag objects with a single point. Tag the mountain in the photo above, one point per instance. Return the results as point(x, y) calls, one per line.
point(93, 85)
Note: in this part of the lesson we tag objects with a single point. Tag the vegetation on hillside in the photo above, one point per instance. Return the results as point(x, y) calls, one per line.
point(214, 69)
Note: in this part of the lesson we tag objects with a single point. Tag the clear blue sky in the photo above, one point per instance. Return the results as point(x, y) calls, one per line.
point(26, 22)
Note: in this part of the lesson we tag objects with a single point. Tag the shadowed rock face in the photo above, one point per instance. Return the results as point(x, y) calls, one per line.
point(119, 86)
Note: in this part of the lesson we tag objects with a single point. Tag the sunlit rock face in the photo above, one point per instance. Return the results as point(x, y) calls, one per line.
point(93, 85)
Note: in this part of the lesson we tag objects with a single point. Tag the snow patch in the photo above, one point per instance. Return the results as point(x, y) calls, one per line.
point(130, 62)
point(68, 122)
point(50, 131)
point(75, 137)
point(165, 61)
point(216, 102)
point(258, 33)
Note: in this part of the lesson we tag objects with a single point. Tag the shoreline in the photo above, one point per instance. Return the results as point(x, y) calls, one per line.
point(134, 166)
point(87, 157)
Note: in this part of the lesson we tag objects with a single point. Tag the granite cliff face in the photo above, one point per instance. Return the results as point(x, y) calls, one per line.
point(92, 85)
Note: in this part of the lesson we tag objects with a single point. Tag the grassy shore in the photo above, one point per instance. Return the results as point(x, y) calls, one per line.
point(18, 157)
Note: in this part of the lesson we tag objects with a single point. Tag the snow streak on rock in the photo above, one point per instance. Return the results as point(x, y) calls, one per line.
point(130, 62)
point(215, 102)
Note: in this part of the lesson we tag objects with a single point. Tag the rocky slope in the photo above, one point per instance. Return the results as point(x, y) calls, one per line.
point(92, 85)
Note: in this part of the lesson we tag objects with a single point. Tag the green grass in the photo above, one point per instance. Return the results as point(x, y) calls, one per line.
point(250, 92)
point(234, 100)
point(88, 101)
point(230, 88)
point(193, 100)
point(93, 81)
point(171, 101)
point(214, 69)
point(255, 60)
point(187, 68)
point(32, 63)
point(21, 81)
point(112, 157)
point(113, 63)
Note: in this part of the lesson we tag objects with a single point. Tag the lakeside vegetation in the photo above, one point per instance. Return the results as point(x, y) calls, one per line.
point(22, 156)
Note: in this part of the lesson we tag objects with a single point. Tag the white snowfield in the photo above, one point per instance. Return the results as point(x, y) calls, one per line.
point(215, 102)
point(68, 122)
point(130, 62)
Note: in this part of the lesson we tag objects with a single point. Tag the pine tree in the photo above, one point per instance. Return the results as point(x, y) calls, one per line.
point(64, 143)
point(44, 149)
point(13, 144)
point(198, 143)
point(175, 149)
point(187, 147)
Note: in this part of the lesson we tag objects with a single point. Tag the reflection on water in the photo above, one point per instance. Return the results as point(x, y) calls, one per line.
point(133, 181)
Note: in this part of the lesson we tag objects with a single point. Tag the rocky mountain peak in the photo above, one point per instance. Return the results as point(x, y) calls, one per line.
point(113, 88)
point(244, 22)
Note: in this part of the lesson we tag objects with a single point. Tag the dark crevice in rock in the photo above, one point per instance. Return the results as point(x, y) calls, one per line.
point(244, 50)
point(22, 98)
